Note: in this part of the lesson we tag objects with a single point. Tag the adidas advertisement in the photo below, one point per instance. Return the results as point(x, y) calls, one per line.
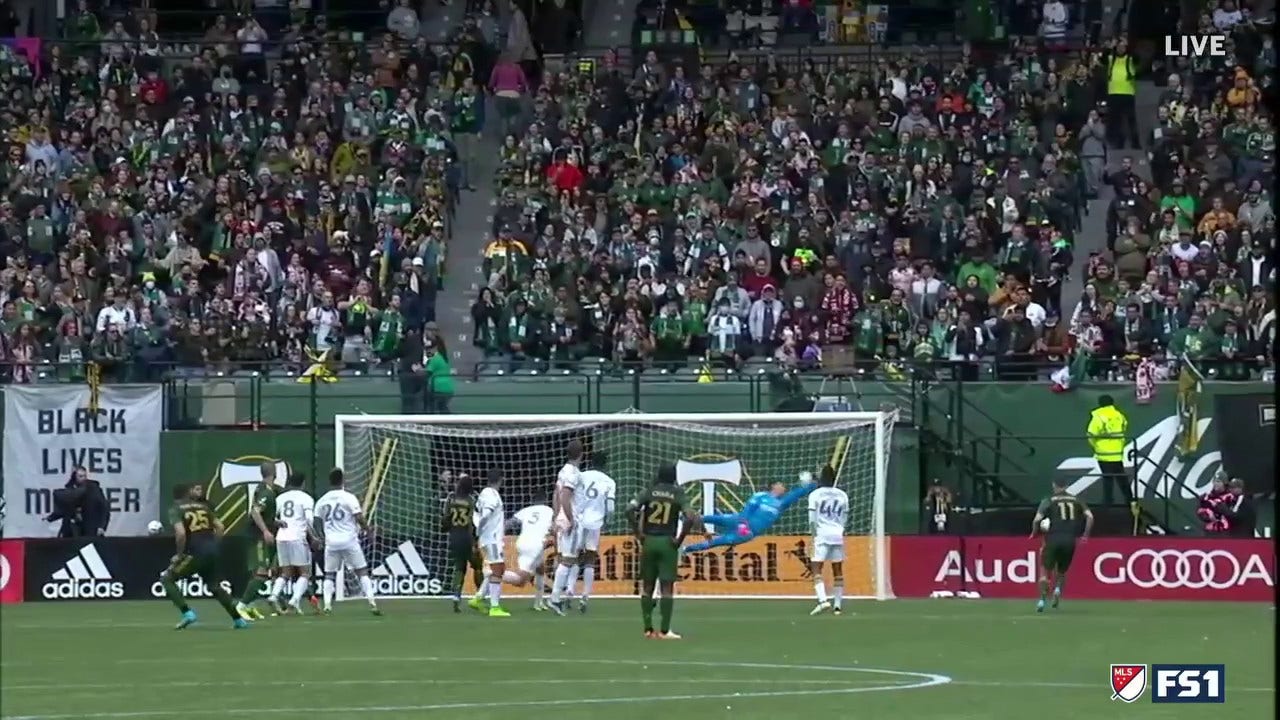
point(84, 576)
point(109, 568)
point(403, 573)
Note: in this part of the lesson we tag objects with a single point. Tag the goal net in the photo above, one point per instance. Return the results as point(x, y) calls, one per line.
point(401, 469)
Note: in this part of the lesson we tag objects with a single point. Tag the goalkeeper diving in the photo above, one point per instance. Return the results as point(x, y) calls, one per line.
point(759, 514)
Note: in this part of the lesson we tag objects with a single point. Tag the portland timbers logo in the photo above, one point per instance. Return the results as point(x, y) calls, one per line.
point(715, 482)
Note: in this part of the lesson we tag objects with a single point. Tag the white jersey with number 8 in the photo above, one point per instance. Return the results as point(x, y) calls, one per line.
point(294, 508)
point(828, 514)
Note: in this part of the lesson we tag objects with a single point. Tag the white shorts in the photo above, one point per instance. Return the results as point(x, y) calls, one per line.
point(589, 539)
point(350, 557)
point(492, 553)
point(569, 544)
point(827, 552)
point(529, 556)
point(293, 553)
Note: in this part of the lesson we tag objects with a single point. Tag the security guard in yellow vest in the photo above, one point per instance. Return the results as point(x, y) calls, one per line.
point(1108, 434)
point(1122, 73)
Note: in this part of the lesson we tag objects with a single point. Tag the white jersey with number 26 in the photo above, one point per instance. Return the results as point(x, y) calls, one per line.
point(594, 498)
point(828, 514)
point(338, 510)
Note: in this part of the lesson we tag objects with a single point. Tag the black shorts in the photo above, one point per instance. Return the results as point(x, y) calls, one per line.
point(462, 550)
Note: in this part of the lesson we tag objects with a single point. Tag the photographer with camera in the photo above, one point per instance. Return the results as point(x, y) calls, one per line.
point(80, 506)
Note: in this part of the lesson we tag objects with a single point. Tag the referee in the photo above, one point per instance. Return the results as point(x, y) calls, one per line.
point(1108, 432)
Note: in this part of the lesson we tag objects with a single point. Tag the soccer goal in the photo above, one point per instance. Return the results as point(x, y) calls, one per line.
point(402, 467)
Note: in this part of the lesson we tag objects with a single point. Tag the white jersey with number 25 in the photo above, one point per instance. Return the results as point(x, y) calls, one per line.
point(594, 498)
point(828, 513)
point(338, 509)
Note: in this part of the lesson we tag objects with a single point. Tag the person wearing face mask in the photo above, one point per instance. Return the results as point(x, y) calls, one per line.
point(763, 321)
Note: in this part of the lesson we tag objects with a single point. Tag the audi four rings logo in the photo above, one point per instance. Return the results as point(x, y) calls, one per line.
point(1185, 569)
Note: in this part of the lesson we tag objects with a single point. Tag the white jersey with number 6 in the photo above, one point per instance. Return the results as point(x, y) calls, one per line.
point(828, 514)
point(535, 523)
point(339, 510)
point(594, 498)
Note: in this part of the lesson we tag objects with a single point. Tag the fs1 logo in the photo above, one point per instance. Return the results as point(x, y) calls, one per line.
point(1189, 683)
point(1195, 45)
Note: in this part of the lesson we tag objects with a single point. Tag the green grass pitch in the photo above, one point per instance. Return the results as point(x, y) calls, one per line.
point(740, 660)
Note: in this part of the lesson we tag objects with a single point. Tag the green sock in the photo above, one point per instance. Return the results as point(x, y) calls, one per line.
point(665, 606)
point(646, 611)
point(1044, 588)
point(174, 594)
point(224, 599)
point(252, 589)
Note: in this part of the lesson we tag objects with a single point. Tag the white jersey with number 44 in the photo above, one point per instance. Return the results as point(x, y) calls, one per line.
point(828, 513)
point(338, 509)
point(594, 498)
point(294, 508)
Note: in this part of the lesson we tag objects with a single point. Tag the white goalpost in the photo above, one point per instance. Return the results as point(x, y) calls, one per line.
point(400, 467)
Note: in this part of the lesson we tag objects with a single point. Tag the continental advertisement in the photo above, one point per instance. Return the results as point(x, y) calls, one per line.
point(775, 565)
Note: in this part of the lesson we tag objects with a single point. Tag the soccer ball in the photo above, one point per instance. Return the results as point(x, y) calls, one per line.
point(154, 527)
point(1044, 525)
point(806, 477)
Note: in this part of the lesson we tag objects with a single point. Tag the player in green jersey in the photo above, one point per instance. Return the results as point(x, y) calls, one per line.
point(458, 510)
point(262, 529)
point(1062, 518)
point(196, 534)
point(660, 519)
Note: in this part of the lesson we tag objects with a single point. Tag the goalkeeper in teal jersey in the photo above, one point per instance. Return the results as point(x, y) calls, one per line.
point(759, 514)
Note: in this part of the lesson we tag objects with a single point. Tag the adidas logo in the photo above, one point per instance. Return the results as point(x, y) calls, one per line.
point(403, 573)
point(84, 577)
point(192, 587)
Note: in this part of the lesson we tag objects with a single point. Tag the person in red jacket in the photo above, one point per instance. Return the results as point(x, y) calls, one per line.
point(154, 90)
point(754, 282)
point(564, 172)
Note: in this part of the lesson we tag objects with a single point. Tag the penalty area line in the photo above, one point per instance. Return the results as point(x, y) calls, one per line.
point(910, 681)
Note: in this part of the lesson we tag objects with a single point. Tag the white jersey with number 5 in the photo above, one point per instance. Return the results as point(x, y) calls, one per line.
point(594, 498)
point(535, 523)
point(338, 509)
point(489, 518)
point(828, 513)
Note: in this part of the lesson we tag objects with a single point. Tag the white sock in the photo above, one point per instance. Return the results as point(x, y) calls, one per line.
point(571, 584)
point(839, 592)
point(328, 593)
point(557, 585)
point(495, 592)
point(588, 577)
point(277, 589)
point(820, 589)
point(512, 577)
point(539, 587)
point(299, 589)
point(366, 584)
point(483, 588)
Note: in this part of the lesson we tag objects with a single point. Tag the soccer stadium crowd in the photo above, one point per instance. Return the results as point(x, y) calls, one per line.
point(283, 189)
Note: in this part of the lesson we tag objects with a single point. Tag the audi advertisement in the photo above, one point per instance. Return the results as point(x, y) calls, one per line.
point(1138, 568)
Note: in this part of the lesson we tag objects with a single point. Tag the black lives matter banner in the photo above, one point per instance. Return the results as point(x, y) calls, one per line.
point(51, 430)
point(1246, 437)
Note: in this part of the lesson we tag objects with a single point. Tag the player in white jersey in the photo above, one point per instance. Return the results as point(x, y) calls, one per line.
point(567, 483)
point(344, 522)
point(295, 510)
point(490, 522)
point(534, 524)
point(828, 515)
point(593, 502)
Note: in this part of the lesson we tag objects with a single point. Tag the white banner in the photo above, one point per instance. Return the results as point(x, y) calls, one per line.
point(49, 431)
